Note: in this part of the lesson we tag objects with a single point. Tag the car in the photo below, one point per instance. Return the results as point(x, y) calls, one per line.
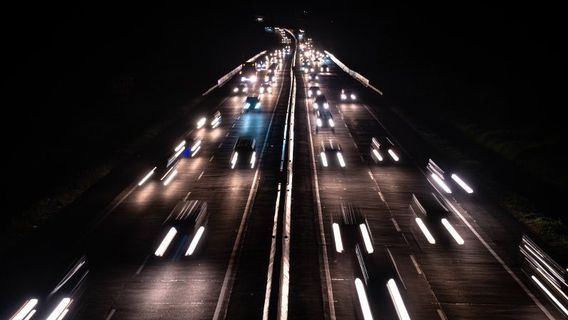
point(184, 228)
point(265, 88)
point(191, 147)
point(350, 229)
point(347, 95)
point(270, 78)
point(320, 102)
point(313, 76)
point(432, 216)
point(216, 120)
point(331, 149)
point(273, 67)
point(241, 88)
point(324, 68)
point(324, 119)
point(252, 103)
point(380, 146)
point(245, 148)
point(314, 91)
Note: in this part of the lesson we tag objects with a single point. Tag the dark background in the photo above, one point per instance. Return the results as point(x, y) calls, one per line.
point(83, 80)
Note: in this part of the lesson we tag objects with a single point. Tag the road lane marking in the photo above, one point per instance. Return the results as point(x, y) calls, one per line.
point(110, 314)
point(396, 268)
point(186, 196)
point(271, 258)
point(200, 175)
point(328, 290)
point(415, 263)
point(229, 278)
point(142, 265)
point(211, 159)
point(441, 314)
point(285, 262)
point(395, 224)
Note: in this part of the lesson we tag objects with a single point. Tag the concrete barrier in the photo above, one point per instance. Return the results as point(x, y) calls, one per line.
point(357, 76)
point(231, 74)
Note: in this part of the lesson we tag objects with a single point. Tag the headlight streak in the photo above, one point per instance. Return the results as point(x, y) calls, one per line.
point(323, 159)
point(393, 155)
point(331, 123)
point(247, 105)
point(441, 183)
point(378, 155)
point(366, 238)
point(195, 241)
point(201, 122)
point(195, 148)
point(60, 310)
point(337, 237)
point(397, 300)
point(316, 105)
point(147, 176)
point(252, 159)
point(319, 122)
point(452, 231)
point(234, 159)
point(462, 183)
point(353, 97)
point(550, 295)
point(363, 301)
point(341, 160)
point(343, 96)
point(179, 146)
point(26, 311)
point(326, 105)
point(425, 231)
point(170, 177)
point(165, 242)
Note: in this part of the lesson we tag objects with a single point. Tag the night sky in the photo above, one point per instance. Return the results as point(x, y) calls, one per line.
point(67, 67)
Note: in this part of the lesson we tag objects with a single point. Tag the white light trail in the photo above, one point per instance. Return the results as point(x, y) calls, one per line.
point(27, 309)
point(550, 295)
point(377, 155)
point(253, 159)
point(195, 240)
point(425, 230)
point(393, 155)
point(397, 300)
point(366, 238)
point(179, 146)
point(59, 311)
point(341, 160)
point(323, 159)
point(146, 177)
point(441, 183)
point(170, 177)
point(165, 242)
point(201, 122)
point(365, 308)
point(452, 231)
point(462, 183)
point(234, 160)
point(337, 237)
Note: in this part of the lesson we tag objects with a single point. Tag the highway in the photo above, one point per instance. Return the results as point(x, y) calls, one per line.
point(296, 232)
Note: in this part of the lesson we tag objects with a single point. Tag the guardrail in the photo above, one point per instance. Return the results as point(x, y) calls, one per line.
point(231, 74)
point(546, 274)
point(357, 76)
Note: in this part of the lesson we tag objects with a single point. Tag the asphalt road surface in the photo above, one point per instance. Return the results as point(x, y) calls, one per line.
point(270, 249)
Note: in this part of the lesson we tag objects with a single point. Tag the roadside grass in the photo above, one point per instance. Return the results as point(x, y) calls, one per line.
point(553, 231)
